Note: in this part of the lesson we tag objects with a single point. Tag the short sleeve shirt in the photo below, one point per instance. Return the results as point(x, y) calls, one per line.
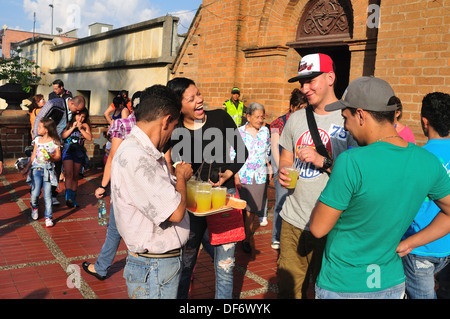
point(255, 169)
point(50, 147)
point(144, 197)
point(120, 128)
point(295, 135)
point(379, 188)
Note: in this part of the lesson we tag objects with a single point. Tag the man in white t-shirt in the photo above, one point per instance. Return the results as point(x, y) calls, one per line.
point(301, 253)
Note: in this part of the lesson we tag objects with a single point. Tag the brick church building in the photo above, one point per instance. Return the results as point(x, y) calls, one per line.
point(256, 45)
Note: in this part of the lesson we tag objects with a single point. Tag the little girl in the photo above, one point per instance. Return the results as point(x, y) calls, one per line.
point(42, 174)
point(74, 153)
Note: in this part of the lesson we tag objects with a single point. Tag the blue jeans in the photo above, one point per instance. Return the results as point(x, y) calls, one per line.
point(110, 246)
point(280, 197)
point(223, 260)
point(443, 279)
point(152, 278)
point(419, 272)
point(396, 292)
point(37, 181)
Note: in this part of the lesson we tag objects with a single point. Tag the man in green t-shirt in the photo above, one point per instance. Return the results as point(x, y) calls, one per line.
point(363, 211)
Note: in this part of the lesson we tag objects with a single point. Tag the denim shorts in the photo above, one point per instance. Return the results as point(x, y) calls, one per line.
point(395, 292)
point(75, 154)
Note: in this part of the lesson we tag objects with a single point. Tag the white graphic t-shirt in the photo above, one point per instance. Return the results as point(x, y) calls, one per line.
point(300, 201)
point(49, 147)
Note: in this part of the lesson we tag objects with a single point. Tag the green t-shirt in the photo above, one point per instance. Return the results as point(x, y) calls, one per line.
point(379, 188)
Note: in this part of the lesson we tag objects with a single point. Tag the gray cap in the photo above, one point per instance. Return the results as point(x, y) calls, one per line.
point(368, 93)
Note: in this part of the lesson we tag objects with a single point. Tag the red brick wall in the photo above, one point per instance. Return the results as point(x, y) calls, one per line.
point(413, 53)
point(15, 136)
point(14, 36)
point(243, 43)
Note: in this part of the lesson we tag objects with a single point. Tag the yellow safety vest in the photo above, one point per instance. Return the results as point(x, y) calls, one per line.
point(236, 114)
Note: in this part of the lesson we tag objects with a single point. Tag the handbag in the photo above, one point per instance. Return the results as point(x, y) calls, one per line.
point(226, 227)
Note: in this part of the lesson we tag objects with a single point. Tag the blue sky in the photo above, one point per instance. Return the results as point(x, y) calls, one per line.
point(78, 14)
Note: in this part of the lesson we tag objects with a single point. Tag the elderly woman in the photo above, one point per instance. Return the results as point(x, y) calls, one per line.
point(252, 177)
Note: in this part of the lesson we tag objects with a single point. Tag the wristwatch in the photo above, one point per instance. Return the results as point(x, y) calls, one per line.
point(327, 163)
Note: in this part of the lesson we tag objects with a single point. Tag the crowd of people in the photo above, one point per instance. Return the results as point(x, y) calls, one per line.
point(369, 216)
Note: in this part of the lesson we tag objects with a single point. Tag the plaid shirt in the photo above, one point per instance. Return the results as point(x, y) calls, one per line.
point(277, 125)
point(122, 127)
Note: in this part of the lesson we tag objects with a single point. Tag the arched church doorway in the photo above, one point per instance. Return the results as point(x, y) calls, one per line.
point(324, 27)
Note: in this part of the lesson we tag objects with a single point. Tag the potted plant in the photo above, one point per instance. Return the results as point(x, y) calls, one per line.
point(21, 75)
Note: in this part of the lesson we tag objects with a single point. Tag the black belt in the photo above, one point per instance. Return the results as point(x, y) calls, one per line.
point(171, 253)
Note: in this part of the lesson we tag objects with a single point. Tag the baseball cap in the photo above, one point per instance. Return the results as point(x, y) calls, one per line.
point(312, 65)
point(235, 90)
point(368, 93)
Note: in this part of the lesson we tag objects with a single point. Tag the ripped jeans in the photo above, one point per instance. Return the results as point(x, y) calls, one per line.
point(419, 272)
point(223, 261)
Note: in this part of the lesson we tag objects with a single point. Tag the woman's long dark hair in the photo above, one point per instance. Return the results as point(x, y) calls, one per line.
point(34, 102)
point(50, 125)
point(179, 86)
point(84, 111)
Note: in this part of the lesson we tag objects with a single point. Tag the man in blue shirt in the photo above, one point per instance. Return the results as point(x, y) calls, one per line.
point(425, 261)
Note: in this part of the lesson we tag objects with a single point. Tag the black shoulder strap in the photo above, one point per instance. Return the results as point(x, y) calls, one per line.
point(315, 132)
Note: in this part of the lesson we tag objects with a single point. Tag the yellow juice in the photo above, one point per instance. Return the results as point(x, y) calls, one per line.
point(218, 197)
point(293, 175)
point(203, 199)
point(204, 186)
point(191, 188)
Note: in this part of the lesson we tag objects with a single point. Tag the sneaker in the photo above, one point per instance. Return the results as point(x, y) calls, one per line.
point(34, 213)
point(55, 201)
point(263, 221)
point(48, 222)
point(275, 245)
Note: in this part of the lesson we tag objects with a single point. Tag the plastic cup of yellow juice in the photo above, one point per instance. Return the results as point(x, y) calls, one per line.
point(203, 199)
point(218, 197)
point(204, 186)
point(191, 189)
point(293, 175)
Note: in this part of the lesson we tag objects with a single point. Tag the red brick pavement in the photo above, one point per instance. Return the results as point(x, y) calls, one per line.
point(38, 262)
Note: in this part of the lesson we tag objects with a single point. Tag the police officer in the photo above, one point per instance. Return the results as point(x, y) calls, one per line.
point(234, 107)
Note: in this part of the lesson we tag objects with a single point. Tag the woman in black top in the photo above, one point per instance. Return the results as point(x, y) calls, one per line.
point(205, 137)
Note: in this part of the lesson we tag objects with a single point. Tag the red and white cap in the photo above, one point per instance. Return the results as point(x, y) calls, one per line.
point(312, 65)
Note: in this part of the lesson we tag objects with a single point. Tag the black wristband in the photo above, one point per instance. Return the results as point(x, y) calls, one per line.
point(327, 163)
point(104, 187)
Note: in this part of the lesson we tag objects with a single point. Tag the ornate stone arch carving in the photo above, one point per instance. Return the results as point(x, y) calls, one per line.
point(325, 22)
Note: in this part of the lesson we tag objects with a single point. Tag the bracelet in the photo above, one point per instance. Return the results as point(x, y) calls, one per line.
point(104, 187)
